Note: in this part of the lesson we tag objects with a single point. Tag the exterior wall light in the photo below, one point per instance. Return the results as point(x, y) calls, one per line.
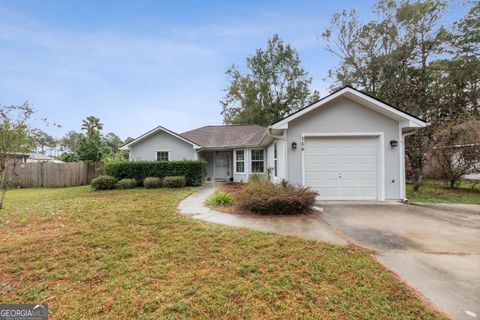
point(294, 145)
point(393, 143)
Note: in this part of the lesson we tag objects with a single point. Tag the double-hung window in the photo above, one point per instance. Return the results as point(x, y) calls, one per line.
point(239, 161)
point(163, 156)
point(258, 161)
point(275, 159)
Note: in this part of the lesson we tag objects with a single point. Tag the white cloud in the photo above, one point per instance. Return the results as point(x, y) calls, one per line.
point(133, 81)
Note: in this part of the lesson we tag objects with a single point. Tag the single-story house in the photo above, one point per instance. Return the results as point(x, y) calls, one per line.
point(17, 157)
point(347, 146)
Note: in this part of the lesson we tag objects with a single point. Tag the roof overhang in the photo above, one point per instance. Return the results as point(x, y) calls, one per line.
point(18, 155)
point(154, 131)
point(408, 120)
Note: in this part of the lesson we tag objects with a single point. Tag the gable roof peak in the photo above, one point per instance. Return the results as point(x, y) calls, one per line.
point(359, 97)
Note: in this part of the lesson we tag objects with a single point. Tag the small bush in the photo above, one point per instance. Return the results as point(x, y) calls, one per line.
point(126, 184)
point(220, 198)
point(174, 182)
point(103, 183)
point(264, 197)
point(255, 177)
point(152, 182)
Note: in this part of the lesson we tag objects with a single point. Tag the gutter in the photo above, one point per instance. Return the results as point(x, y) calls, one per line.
point(280, 137)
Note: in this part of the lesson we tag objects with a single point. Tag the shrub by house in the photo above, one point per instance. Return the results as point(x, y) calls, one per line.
point(174, 182)
point(152, 182)
point(104, 183)
point(220, 198)
point(194, 171)
point(265, 197)
point(126, 184)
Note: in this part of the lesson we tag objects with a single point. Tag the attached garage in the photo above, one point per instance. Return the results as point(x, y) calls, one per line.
point(345, 167)
point(347, 146)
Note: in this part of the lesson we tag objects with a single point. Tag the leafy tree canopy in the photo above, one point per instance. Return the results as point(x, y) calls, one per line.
point(69, 142)
point(407, 58)
point(92, 127)
point(274, 86)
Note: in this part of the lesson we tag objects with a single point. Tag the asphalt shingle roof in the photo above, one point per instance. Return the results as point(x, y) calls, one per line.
point(228, 136)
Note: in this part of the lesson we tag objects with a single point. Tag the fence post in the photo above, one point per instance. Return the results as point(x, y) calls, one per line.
point(41, 174)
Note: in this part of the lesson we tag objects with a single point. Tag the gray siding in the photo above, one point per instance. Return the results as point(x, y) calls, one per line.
point(343, 115)
point(280, 160)
point(208, 156)
point(161, 141)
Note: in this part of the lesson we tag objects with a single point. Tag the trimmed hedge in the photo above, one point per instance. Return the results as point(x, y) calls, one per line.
point(126, 184)
point(152, 182)
point(103, 183)
point(174, 182)
point(194, 171)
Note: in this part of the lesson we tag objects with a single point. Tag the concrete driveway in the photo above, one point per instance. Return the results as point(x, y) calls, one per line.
point(436, 250)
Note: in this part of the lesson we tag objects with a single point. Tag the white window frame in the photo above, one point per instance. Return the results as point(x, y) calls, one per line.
point(235, 161)
point(167, 151)
point(275, 159)
point(251, 160)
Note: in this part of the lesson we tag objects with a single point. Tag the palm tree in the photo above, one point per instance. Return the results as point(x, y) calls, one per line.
point(92, 127)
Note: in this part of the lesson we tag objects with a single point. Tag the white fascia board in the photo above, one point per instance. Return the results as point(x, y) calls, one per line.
point(361, 98)
point(383, 108)
point(153, 131)
point(283, 124)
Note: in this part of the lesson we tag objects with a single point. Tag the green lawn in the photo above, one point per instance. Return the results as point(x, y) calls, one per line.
point(435, 191)
point(129, 255)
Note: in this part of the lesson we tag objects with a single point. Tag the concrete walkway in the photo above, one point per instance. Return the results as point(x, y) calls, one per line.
point(308, 226)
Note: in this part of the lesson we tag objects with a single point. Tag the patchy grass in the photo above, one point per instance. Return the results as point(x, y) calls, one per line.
point(126, 254)
point(435, 191)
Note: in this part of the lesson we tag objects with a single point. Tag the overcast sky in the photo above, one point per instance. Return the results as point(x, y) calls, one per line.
point(140, 64)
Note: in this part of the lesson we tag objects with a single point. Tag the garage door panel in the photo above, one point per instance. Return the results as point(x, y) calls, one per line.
point(358, 192)
point(316, 158)
point(357, 167)
point(318, 167)
point(372, 159)
point(330, 192)
point(328, 167)
point(354, 167)
point(342, 167)
point(315, 175)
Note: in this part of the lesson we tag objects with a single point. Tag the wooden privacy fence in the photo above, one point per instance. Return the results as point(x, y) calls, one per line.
point(49, 174)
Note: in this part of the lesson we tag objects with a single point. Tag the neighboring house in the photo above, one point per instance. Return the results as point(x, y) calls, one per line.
point(40, 157)
point(346, 146)
point(17, 157)
point(463, 156)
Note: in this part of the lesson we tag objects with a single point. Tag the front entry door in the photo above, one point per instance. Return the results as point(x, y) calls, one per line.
point(221, 166)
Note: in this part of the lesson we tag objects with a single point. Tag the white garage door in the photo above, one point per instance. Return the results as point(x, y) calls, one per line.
point(342, 168)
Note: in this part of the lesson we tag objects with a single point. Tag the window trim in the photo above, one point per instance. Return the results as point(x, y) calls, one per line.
point(251, 160)
point(275, 160)
point(235, 161)
point(167, 151)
